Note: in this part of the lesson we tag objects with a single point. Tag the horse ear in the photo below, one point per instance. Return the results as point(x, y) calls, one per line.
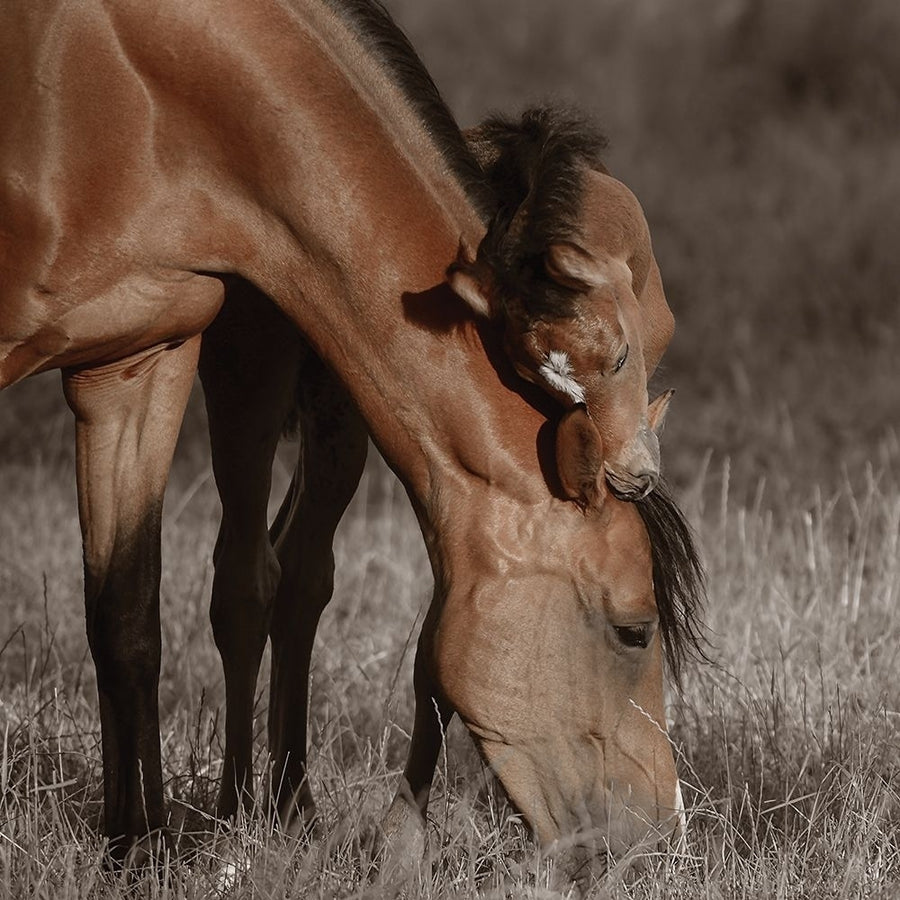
point(579, 458)
point(571, 266)
point(656, 411)
point(471, 280)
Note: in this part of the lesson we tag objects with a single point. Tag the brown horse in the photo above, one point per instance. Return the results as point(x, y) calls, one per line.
point(568, 268)
point(156, 158)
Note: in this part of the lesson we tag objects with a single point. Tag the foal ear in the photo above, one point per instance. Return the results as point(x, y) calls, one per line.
point(571, 266)
point(471, 280)
point(656, 411)
point(579, 458)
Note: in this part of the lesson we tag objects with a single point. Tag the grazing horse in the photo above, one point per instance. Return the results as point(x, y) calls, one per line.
point(156, 161)
point(567, 267)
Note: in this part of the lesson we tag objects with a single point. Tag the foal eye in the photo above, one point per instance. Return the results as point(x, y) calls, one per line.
point(621, 360)
point(633, 635)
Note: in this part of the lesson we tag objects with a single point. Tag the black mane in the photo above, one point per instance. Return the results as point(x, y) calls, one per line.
point(381, 36)
point(535, 167)
point(678, 579)
point(526, 181)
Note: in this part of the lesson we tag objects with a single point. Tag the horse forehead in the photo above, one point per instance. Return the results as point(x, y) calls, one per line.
point(615, 553)
point(607, 318)
point(597, 329)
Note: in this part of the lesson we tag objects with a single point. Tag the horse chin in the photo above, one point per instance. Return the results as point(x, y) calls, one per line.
point(581, 860)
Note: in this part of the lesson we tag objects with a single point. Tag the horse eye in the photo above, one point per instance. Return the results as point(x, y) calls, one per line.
point(621, 360)
point(633, 635)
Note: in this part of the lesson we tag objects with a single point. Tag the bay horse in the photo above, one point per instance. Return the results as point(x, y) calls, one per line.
point(159, 158)
point(581, 299)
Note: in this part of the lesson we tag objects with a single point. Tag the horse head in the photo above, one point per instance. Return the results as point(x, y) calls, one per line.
point(557, 672)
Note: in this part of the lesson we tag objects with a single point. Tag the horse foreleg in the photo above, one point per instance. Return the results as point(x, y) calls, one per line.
point(330, 463)
point(249, 367)
point(403, 827)
point(127, 419)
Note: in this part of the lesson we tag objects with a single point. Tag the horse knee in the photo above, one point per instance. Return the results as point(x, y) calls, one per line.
point(244, 585)
point(307, 580)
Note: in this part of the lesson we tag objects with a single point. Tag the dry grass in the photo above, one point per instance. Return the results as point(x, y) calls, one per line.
point(761, 137)
point(788, 745)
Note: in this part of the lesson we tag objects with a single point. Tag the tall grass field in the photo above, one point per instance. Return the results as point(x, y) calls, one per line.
point(762, 138)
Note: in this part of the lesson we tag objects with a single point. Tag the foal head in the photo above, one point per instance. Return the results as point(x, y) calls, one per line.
point(567, 266)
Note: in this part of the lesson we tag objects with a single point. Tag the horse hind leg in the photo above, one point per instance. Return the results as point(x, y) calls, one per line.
point(248, 366)
point(128, 415)
point(330, 463)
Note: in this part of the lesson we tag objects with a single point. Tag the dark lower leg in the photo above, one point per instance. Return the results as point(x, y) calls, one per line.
point(330, 464)
point(124, 637)
point(242, 589)
point(293, 631)
point(433, 715)
point(249, 368)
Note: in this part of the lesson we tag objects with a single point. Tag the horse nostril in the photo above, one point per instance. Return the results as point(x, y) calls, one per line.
point(647, 482)
point(642, 485)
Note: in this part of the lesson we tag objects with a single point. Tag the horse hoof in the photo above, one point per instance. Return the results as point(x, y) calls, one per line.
point(400, 845)
point(135, 857)
point(296, 817)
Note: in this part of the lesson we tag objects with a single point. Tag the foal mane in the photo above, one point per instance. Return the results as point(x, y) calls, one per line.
point(678, 577)
point(535, 168)
point(523, 177)
point(377, 32)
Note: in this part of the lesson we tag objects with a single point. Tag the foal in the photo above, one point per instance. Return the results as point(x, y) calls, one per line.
point(567, 268)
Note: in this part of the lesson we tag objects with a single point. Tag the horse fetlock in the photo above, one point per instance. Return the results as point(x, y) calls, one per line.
point(137, 853)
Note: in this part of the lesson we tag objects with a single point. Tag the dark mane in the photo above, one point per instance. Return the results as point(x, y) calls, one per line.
point(678, 579)
point(381, 36)
point(535, 167)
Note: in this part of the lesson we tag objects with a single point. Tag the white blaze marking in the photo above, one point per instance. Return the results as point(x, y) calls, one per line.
point(556, 370)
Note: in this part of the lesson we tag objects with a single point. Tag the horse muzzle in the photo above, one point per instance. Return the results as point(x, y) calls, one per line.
point(637, 474)
point(631, 486)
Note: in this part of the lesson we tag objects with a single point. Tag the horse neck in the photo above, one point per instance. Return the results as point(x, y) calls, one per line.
point(345, 214)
